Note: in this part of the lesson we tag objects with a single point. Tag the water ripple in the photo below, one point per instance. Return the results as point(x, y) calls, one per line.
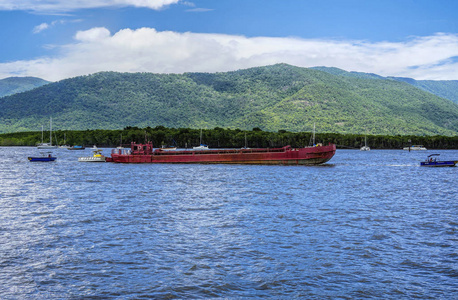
point(366, 225)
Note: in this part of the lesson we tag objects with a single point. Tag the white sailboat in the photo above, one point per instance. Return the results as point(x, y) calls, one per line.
point(120, 144)
point(365, 147)
point(49, 145)
point(246, 145)
point(64, 146)
point(201, 146)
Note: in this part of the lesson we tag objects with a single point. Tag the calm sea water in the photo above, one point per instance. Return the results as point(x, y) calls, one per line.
point(364, 225)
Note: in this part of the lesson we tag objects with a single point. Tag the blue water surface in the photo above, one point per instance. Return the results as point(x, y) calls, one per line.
point(365, 225)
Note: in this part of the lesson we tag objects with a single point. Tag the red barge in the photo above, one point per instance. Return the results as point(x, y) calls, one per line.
point(145, 153)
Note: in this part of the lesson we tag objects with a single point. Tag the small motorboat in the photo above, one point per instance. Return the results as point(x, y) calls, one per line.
point(77, 148)
point(96, 157)
point(43, 157)
point(431, 161)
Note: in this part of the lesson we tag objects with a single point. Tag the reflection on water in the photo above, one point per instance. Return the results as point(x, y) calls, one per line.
point(367, 224)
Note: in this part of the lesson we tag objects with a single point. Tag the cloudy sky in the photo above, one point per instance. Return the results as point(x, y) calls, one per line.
point(58, 39)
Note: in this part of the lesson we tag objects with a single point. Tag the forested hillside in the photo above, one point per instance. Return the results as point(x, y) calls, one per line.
point(13, 85)
point(279, 97)
point(447, 89)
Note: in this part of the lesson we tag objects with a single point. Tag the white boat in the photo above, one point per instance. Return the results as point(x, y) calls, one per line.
point(365, 147)
point(64, 146)
point(47, 145)
point(96, 157)
point(246, 147)
point(201, 146)
point(120, 147)
point(415, 147)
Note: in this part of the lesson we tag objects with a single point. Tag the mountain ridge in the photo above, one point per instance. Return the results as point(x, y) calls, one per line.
point(13, 85)
point(447, 89)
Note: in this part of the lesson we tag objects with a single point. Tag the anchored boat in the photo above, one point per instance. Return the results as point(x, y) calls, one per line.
point(431, 161)
point(145, 153)
point(76, 147)
point(96, 157)
point(43, 157)
point(49, 145)
point(365, 147)
point(415, 148)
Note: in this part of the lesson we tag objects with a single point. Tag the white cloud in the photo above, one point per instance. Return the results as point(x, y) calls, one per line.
point(40, 28)
point(92, 35)
point(199, 10)
point(45, 26)
point(54, 6)
point(148, 50)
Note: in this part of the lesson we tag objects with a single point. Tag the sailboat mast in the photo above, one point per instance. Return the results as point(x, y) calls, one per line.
point(313, 134)
point(50, 131)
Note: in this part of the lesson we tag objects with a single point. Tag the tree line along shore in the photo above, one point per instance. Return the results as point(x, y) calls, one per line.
point(222, 138)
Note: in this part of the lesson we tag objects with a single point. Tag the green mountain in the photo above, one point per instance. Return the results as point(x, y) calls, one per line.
point(278, 97)
point(13, 85)
point(447, 89)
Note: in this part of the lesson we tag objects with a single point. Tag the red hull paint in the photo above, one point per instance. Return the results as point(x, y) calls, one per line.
point(143, 153)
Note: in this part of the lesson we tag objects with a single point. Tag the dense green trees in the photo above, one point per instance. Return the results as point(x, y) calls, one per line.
point(447, 89)
point(224, 138)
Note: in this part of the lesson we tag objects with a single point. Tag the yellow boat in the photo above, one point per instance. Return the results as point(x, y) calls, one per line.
point(96, 157)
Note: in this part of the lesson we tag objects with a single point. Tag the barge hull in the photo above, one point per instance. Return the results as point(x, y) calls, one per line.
point(141, 153)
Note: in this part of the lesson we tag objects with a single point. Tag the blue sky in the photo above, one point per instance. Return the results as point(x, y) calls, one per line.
point(57, 39)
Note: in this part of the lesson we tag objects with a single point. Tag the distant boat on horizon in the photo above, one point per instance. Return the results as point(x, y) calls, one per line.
point(76, 148)
point(415, 148)
point(64, 146)
point(201, 146)
point(49, 145)
point(365, 147)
